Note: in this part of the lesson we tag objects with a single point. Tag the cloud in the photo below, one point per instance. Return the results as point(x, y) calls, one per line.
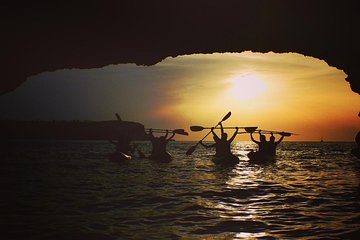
point(179, 90)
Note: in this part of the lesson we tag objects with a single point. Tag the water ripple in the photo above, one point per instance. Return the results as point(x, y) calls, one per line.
point(69, 190)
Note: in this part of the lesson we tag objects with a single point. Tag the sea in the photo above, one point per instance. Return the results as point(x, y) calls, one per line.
point(70, 190)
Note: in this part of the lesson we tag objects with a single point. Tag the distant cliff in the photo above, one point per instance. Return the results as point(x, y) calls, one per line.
point(76, 130)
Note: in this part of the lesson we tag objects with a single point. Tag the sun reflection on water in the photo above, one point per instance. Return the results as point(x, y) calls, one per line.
point(246, 235)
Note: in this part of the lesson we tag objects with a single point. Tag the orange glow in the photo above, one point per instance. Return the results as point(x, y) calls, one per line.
point(285, 92)
point(247, 87)
point(289, 92)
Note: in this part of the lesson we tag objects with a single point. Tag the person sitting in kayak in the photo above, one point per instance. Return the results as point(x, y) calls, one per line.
point(222, 145)
point(159, 143)
point(262, 144)
point(271, 145)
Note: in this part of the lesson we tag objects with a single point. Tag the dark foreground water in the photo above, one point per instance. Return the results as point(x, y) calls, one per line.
point(69, 190)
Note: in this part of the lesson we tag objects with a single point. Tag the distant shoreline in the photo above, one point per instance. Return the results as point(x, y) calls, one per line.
point(70, 130)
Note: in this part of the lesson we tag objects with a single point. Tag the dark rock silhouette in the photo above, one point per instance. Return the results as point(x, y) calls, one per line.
point(89, 130)
point(49, 36)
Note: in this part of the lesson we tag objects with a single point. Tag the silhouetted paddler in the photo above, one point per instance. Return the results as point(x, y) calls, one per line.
point(159, 144)
point(271, 145)
point(222, 145)
point(263, 144)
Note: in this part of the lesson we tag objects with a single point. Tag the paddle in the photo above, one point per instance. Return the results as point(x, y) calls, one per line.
point(241, 132)
point(192, 148)
point(158, 129)
point(118, 117)
point(180, 131)
point(250, 129)
point(200, 128)
point(285, 134)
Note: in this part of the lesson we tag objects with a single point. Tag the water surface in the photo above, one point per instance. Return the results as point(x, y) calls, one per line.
point(70, 190)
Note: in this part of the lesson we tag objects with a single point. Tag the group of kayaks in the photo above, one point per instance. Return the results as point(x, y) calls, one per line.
point(227, 159)
point(257, 157)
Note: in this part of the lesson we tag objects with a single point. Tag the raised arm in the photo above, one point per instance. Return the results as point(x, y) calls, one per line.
point(151, 134)
point(234, 135)
point(252, 138)
point(167, 133)
point(222, 128)
point(277, 142)
point(215, 136)
point(171, 137)
point(260, 134)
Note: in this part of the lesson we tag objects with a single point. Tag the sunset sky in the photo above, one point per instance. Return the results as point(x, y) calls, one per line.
point(288, 91)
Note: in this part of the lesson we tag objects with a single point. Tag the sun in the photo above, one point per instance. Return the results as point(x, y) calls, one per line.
point(247, 86)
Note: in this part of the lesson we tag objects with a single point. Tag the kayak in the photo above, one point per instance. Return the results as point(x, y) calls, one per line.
point(166, 157)
point(119, 156)
point(226, 160)
point(256, 157)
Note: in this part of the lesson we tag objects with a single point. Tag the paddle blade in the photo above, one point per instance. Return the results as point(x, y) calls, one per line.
point(180, 131)
point(250, 129)
point(226, 116)
point(191, 150)
point(285, 134)
point(196, 128)
point(118, 117)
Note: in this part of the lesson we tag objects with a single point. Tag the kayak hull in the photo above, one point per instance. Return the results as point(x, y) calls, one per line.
point(166, 157)
point(226, 160)
point(256, 157)
point(119, 156)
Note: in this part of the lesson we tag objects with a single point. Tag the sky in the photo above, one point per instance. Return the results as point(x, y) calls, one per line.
point(284, 92)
